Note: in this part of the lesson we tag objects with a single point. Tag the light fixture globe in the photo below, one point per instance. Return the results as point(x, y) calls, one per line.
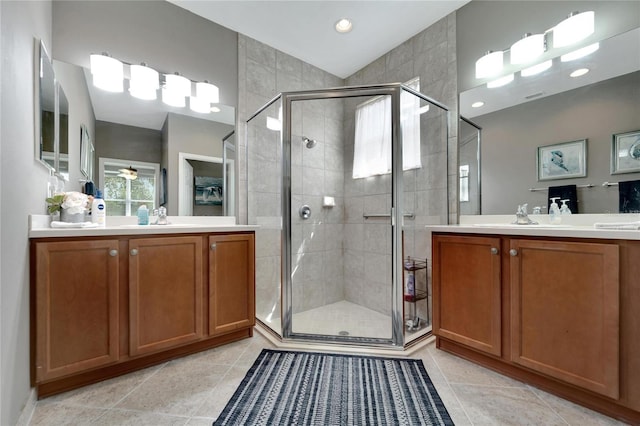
point(108, 73)
point(500, 81)
point(527, 49)
point(573, 29)
point(144, 82)
point(176, 90)
point(580, 53)
point(197, 104)
point(208, 92)
point(489, 65)
point(536, 69)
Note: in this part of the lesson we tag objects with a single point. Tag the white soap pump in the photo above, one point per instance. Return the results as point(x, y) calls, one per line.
point(564, 209)
point(554, 212)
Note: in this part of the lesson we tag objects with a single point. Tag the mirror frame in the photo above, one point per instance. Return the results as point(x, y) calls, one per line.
point(87, 154)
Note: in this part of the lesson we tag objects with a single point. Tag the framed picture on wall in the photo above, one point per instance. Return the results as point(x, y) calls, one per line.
point(208, 191)
point(625, 152)
point(562, 160)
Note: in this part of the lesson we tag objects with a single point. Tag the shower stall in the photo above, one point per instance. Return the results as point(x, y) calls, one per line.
point(342, 182)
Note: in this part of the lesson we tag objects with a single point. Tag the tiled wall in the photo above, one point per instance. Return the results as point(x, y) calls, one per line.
point(263, 73)
point(345, 244)
point(431, 56)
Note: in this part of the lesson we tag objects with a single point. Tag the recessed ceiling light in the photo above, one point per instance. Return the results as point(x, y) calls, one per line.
point(215, 109)
point(579, 72)
point(477, 104)
point(344, 25)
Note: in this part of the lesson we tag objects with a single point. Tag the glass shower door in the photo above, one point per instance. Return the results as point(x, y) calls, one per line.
point(341, 233)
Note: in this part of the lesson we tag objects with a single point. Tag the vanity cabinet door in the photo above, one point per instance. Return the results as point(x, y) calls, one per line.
point(467, 291)
point(565, 311)
point(76, 301)
point(231, 282)
point(165, 292)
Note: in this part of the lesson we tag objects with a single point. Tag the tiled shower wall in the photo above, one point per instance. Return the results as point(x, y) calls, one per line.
point(431, 56)
point(263, 73)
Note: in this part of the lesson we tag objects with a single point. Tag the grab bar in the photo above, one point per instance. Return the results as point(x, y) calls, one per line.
point(367, 216)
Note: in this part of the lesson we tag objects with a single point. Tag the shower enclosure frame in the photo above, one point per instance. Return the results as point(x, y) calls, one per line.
point(396, 213)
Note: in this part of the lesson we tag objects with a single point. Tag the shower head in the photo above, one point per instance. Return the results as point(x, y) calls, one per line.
point(310, 143)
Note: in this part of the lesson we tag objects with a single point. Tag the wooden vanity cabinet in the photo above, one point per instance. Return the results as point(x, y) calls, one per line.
point(165, 292)
point(468, 275)
point(566, 320)
point(77, 306)
point(102, 306)
point(231, 283)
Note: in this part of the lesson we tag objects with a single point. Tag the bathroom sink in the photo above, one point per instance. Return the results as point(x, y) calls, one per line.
point(169, 225)
point(515, 225)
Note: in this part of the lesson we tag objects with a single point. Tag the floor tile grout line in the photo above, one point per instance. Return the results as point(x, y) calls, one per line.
point(162, 366)
point(446, 379)
point(547, 404)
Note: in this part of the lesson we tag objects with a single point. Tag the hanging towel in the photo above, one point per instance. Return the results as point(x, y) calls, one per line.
point(629, 196)
point(565, 192)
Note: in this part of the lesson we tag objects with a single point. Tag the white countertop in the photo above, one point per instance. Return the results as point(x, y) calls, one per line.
point(575, 226)
point(39, 227)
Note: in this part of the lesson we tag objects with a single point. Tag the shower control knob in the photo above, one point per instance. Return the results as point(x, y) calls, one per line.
point(305, 212)
point(513, 252)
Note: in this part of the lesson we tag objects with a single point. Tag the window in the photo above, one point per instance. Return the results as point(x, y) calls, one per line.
point(464, 183)
point(372, 150)
point(123, 196)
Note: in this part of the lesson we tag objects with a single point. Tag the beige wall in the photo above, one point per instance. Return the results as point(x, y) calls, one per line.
point(22, 191)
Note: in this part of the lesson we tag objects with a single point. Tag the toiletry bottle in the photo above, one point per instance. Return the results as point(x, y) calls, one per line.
point(554, 212)
point(564, 209)
point(99, 210)
point(143, 215)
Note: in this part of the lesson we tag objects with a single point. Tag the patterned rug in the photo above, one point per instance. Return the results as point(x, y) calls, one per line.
point(300, 388)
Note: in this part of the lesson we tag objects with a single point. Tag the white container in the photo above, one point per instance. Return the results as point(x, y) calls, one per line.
point(99, 210)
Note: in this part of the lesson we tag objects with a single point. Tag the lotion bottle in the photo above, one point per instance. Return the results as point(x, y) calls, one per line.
point(554, 212)
point(99, 210)
point(143, 215)
point(564, 209)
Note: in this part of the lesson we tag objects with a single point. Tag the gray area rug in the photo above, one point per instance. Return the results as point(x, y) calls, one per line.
point(301, 388)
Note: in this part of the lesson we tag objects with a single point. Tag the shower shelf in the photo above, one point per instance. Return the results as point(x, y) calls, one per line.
point(413, 321)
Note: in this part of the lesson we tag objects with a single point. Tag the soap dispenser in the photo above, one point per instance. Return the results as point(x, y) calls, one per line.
point(564, 209)
point(554, 212)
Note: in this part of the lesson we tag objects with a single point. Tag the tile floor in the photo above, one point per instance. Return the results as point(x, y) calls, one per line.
point(194, 390)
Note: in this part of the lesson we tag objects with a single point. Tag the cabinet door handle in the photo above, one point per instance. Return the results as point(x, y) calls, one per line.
point(213, 246)
point(513, 252)
point(113, 253)
point(134, 252)
point(494, 250)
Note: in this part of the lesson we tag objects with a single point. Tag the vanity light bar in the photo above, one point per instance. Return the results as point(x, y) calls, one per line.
point(108, 74)
point(575, 28)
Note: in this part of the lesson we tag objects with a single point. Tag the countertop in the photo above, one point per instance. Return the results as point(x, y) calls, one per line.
point(580, 226)
point(39, 227)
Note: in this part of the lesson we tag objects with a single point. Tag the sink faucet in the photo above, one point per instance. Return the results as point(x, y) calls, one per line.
point(162, 216)
point(521, 216)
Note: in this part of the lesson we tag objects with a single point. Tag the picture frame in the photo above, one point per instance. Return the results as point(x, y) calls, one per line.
point(625, 152)
point(208, 191)
point(564, 160)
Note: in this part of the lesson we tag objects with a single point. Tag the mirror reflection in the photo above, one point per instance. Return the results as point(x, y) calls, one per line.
point(63, 134)
point(47, 100)
point(148, 136)
point(555, 108)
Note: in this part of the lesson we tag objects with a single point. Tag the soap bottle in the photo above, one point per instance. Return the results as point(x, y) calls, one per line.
point(99, 210)
point(143, 215)
point(554, 212)
point(564, 209)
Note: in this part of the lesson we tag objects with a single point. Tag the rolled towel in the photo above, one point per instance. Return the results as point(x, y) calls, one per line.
point(57, 224)
point(618, 225)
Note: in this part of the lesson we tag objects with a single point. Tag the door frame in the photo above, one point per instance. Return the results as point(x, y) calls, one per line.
point(182, 159)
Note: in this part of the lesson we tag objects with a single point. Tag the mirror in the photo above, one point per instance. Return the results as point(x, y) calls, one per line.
point(553, 108)
point(87, 154)
point(45, 142)
point(63, 134)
